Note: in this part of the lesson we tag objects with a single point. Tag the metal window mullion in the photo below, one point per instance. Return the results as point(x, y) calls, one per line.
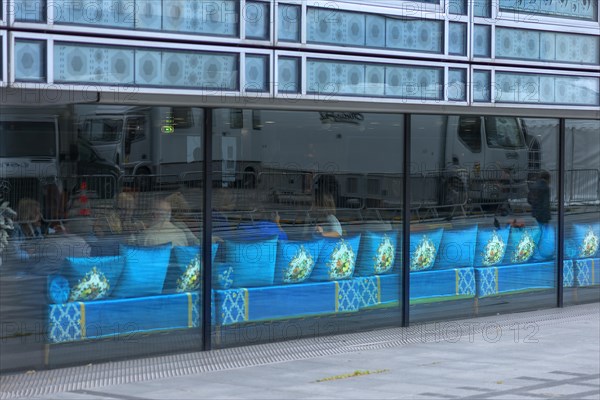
point(561, 213)
point(405, 287)
point(206, 325)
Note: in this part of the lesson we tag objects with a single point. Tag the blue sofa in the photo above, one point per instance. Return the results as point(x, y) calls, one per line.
point(268, 279)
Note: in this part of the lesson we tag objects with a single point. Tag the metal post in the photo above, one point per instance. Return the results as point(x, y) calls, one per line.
point(405, 287)
point(207, 232)
point(561, 212)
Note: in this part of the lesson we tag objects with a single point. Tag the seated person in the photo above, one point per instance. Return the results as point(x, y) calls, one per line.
point(161, 229)
point(180, 216)
point(330, 226)
point(27, 229)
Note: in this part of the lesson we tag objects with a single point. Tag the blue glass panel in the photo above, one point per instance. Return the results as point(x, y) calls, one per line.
point(375, 31)
point(414, 35)
point(573, 48)
point(413, 82)
point(77, 63)
point(581, 9)
point(457, 40)
point(481, 41)
point(458, 7)
point(517, 43)
point(257, 19)
point(481, 86)
point(110, 13)
point(30, 60)
point(211, 17)
point(375, 80)
point(457, 82)
point(257, 73)
point(481, 8)
point(335, 27)
point(535, 88)
point(148, 15)
point(30, 10)
point(289, 23)
point(288, 74)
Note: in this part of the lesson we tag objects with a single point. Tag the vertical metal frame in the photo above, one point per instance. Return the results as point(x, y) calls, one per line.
point(4, 59)
point(561, 214)
point(206, 321)
point(405, 287)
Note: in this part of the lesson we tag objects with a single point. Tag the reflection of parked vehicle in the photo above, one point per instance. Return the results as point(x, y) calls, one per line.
point(102, 176)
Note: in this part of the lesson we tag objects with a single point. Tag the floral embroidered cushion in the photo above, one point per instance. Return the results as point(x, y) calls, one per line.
point(424, 248)
point(377, 254)
point(185, 272)
point(337, 259)
point(522, 244)
point(296, 260)
point(92, 278)
point(491, 246)
point(584, 241)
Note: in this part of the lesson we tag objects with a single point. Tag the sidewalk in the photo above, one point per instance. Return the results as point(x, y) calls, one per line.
point(543, 354)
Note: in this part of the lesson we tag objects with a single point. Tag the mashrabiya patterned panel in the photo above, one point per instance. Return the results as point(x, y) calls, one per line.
point(214, 17)
point(106, 13)
point(587, 274)
point(30, 60)
point(488, 284)
point(457, 86)
point(368, 287)
point(257, 79)
point(586, 9)
point(482, 86)
point(482, 41)
point(257, 19)
point(457, 42)
point(568, 274)
point(466, 281)
point(233, 308)
point(97, 64)
point(335, 27)
point(30, 10)
point(65, 323)
point(289, 75)
point(288, 26)
point(348, 297)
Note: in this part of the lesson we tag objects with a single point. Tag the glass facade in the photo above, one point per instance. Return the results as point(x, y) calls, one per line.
point(192, 175)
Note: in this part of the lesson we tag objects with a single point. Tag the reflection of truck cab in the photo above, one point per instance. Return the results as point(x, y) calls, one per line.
point(161, 141)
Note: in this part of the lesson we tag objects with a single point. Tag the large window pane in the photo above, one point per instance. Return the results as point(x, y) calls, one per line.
point(306, 217)
point(484, 234)
point(103, 261)
point(582, 210)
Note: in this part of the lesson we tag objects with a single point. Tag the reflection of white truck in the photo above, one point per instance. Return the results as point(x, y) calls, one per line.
point(159, 143)
point(38, 154)
point(358, 156)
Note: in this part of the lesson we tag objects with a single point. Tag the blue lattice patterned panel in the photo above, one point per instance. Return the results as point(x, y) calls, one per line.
point(568, 274)
point(466, 281)
point(233, 307)
point(195, 310)
point(348, 296)
point(586, 272)
point(368, 290)
point(64, 322)
point(487, 284)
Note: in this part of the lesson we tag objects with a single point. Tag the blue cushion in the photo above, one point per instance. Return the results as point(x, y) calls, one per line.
point(337, 259)
point(546, 245)
point(457, 248)
point(522, 244)
point(186, 270)
point(583, 241)
point(424, 247)
point(491, 246)
point(92, 278)
point(253, 262)
point(377, 253)
point(58, 289)
point(259, 230)
point(145, 270)
point(296, 260)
